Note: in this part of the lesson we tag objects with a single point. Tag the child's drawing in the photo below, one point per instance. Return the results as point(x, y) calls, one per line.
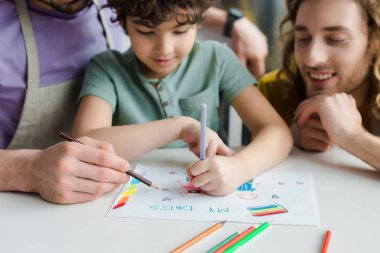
point(285, 198)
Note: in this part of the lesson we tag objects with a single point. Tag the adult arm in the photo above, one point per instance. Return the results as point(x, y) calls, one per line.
point(65, 173)
point(342, 122)
point(247, 41)
point(272, 142)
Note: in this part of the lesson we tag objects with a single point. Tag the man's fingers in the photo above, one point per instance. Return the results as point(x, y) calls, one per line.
point(256, 67)
point(313, 122)
point(303, 116)
point(103, 158)
point(100, 174)
point(98, 144)
point(76, 197)
point(67, 197)
point(243, 60)
point(313, 133)
point(315, 145)
point(93, 187)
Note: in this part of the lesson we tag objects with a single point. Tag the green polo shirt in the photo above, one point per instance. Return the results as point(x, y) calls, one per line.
point(210, 74)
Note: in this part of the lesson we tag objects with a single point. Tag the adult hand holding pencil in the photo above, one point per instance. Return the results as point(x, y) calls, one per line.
point(68, 172)
point(129, 172)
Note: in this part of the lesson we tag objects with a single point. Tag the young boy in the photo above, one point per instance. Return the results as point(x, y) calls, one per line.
point(166, 74)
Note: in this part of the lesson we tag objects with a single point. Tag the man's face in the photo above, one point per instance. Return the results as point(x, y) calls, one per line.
point(160, 49)
point(331, 46)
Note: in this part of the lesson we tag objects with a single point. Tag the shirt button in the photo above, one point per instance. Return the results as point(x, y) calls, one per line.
point(165, 103)
point(160, 88)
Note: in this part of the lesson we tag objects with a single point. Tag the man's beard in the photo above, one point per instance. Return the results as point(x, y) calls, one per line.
point(70, 8)
point(347, 84)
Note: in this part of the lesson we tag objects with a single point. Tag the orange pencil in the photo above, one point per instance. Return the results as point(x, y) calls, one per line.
point(326, 241)
point(198, 237)
point(236, 239)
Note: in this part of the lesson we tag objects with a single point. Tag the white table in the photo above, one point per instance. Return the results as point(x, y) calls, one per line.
point(347, 193)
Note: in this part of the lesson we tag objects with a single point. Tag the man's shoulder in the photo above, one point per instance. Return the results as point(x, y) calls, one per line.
point(273, 81)
point(278, 88)
point(269, 78)
point(276, 76)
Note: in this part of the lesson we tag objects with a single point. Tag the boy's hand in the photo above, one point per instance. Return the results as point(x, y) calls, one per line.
point(191, 133)
point(70, 172)
point(216, 175)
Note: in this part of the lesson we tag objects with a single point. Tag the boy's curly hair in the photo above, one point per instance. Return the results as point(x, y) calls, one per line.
point(153, 12)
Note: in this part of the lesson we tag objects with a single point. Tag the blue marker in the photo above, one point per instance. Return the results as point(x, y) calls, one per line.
point(203, 131)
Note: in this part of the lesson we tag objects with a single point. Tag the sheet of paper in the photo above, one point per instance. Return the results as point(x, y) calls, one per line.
point(283, 198)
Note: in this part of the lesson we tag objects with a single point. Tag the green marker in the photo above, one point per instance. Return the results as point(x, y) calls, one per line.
point(248, 237)
point(216, 247)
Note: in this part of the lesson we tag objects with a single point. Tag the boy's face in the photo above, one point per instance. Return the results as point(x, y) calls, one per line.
point(160, 49)
point(331, 46)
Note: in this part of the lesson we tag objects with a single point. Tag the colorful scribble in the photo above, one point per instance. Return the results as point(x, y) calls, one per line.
point(246, 191)
point(131, 190)
point(247, 186)
point(247, 195)
point(189, 187)
point(267, 210)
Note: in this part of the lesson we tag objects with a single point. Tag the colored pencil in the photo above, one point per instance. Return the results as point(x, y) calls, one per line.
point(129, 172)
point(235, 240)
point(326, 241)
point(203, 131)
point(219, 245)
point(198, 237)
point(248, 237)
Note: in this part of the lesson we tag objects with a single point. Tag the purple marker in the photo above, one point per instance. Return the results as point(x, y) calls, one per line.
point(203, 131)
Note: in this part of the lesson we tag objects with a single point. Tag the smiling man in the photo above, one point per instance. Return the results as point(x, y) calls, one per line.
point(328, 89)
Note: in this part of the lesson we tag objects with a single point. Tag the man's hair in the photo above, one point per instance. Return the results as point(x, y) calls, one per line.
point(370, 10)
point(152, 13)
